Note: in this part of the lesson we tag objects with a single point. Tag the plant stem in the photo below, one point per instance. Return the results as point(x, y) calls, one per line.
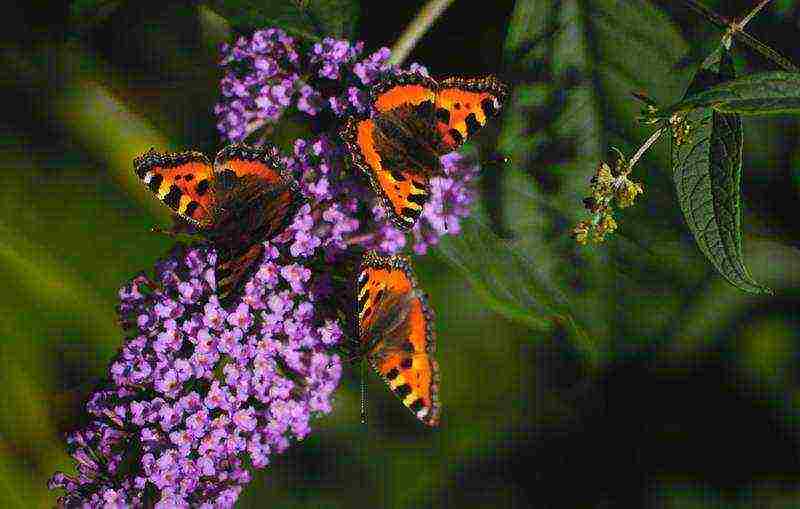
point(736, 30)
point(426, 17)
point(741, 24)
point(649, 143)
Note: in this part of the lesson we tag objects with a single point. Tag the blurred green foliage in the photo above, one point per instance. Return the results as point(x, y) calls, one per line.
point(649, 404)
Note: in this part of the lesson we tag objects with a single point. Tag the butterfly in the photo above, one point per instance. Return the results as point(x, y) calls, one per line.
point(243, 199)
point(416, 120)
point(395, 332)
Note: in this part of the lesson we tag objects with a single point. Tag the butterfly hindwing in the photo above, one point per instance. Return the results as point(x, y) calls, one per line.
point(464, 105)
point(235, 265)
point(395, 326)
point(182, 181)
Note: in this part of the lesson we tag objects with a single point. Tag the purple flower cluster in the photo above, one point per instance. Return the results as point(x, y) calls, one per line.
point(198, 394)
point(343, 210)
point(339, 201)
point(262, 78)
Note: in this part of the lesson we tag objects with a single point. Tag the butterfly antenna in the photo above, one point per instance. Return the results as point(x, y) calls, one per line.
point(363, 394)
point(159, 230)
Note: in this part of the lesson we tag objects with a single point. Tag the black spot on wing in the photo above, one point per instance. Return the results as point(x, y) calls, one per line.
point(457, 136)
point(367, 313)
point(472, 124)
point(188, 177)
point(487, 105)
point(191, 208)
point(443, 115)
point(398, 176)
point(403, 390)
point(408, 346)
point(155, 182)
point(411, 214)
point(173, 197)
point(417, 405)
point(392, 374)
point(406, 363)
point(419, 199)
point(202, 187)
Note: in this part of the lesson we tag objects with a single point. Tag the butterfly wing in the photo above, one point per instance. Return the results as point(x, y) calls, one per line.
point(182, 181)
point(399, 147)
point(395, 326)
point(464, 105)
point(256, 200)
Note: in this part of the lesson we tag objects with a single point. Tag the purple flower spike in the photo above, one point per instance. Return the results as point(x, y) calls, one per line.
point(196, 394)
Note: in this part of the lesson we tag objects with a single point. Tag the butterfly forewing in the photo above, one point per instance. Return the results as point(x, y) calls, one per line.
point(464, 105)
point(245, 160)
point(395, 328)
point(399, 147)
point(182, 181)
point(405, 89)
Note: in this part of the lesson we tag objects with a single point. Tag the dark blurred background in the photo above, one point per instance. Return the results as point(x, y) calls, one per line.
point(683, 393)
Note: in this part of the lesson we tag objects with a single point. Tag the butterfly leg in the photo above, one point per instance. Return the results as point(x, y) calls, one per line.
point(178, 227)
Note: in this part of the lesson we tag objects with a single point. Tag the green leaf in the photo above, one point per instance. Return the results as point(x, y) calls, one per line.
point(511, 282)
point(767, 93)
point(574, 64)
point(707, 170)
point(311, 19)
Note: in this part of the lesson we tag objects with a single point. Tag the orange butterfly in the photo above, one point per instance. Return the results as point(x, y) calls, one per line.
point(416, 120)
point(243, 199)
point(395, 332)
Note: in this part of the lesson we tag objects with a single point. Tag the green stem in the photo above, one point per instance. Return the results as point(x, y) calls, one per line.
point(649, 143)
point(736, 29)
point(426, 17)
point(741, 24)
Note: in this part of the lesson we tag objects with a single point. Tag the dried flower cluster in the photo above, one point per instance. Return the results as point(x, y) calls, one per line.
point(609, 187)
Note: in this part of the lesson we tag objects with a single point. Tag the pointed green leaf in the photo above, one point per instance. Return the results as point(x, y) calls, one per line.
point(573, 64)
point(312, 19)
point(707, 168)
point(766, 93)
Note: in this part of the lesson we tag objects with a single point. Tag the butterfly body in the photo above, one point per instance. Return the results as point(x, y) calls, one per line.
point(241, 200)
point(416, 120)
point(395, 332)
